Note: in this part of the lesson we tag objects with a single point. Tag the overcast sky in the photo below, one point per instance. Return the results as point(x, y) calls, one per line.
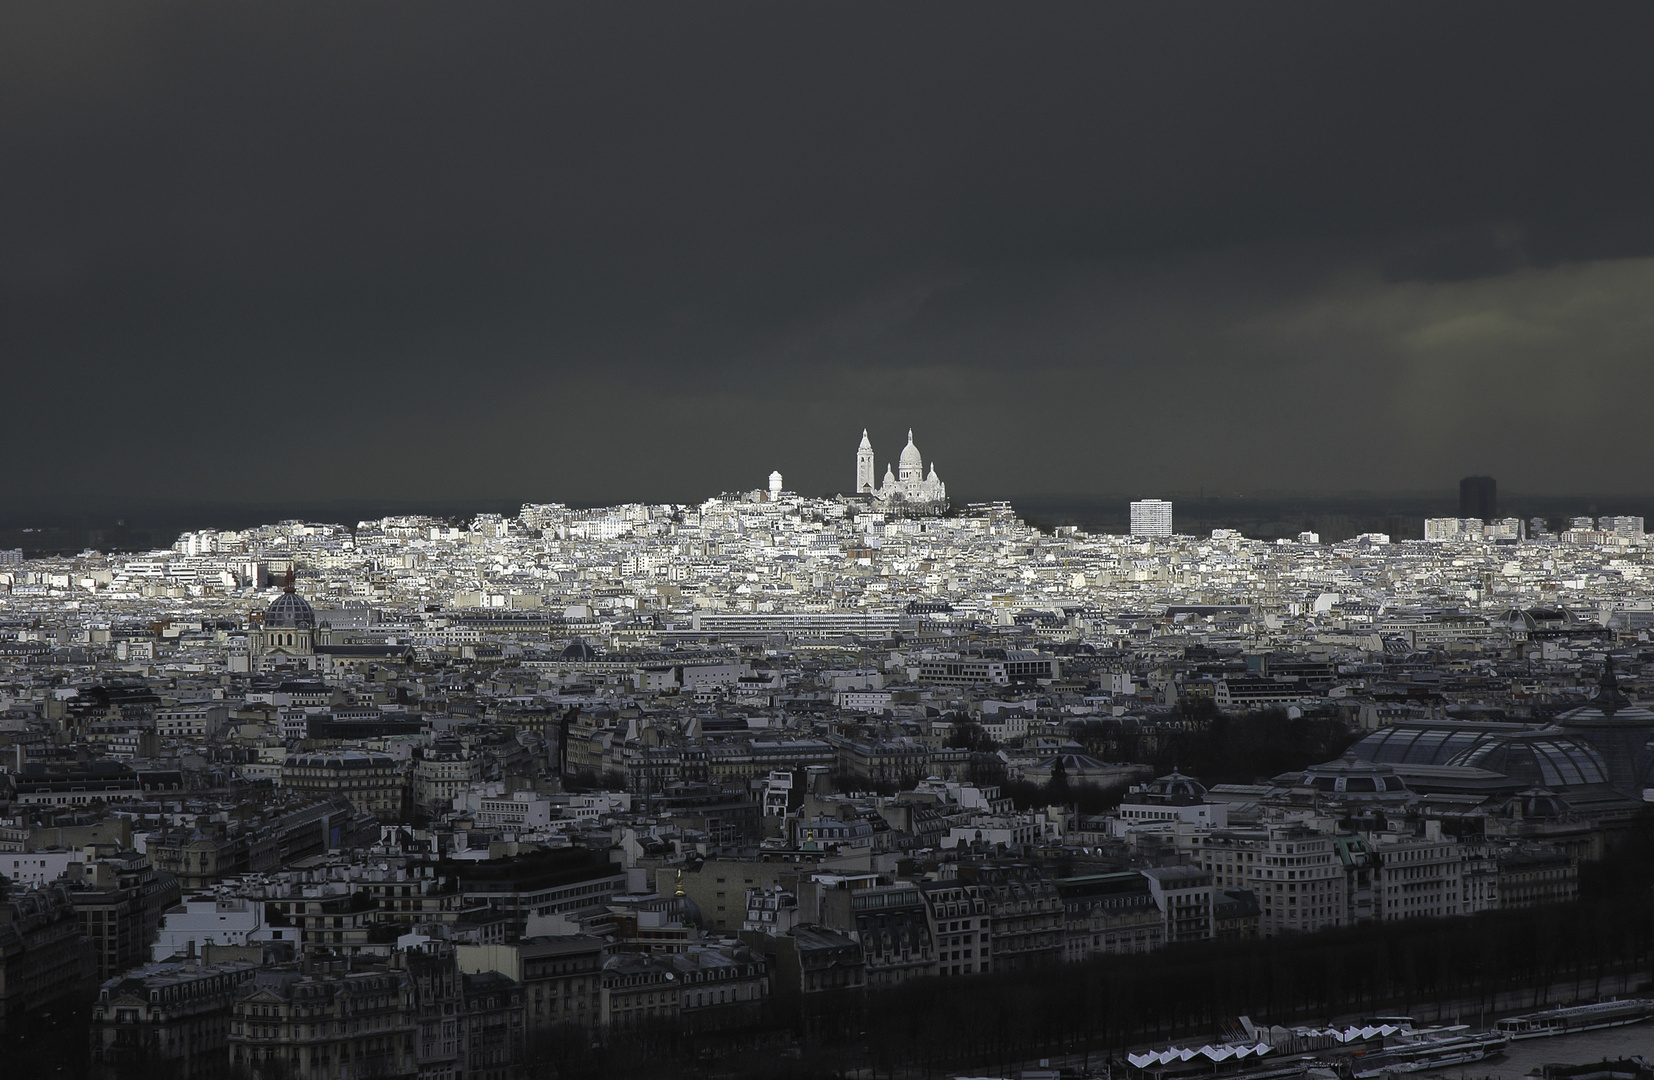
point(616, 251)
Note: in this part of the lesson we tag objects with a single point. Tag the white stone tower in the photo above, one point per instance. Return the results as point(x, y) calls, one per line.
point(865, 476)
point(775, 486)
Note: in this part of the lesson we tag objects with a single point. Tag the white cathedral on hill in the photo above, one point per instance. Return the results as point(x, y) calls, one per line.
point(908, 483)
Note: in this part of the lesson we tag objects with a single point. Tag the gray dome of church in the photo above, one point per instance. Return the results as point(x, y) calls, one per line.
point(290, 611)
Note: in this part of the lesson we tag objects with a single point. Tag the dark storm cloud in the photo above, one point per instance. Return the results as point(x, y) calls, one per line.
point(625, 250)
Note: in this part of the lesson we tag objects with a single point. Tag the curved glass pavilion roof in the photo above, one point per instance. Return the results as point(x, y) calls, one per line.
point(1543, 758)
point(1427, 743)
point(1549, 757)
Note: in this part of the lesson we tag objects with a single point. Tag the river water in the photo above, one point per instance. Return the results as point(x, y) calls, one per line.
point(1522, 1057)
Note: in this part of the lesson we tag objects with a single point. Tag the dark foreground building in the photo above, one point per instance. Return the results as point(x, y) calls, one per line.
point(43, 957)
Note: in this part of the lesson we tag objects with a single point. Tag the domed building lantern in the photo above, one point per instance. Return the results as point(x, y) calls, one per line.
point(1621, 730)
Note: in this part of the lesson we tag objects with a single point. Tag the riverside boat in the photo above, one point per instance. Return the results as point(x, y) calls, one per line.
point(1604, 1014)
point(1432, 1049)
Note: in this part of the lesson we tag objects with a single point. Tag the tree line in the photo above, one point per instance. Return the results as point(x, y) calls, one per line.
point(937, 1025)
point(995, 1022)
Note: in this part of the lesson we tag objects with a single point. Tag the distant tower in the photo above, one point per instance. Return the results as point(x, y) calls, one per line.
point(775, 486)
point(1151, 517)
point(866, 479)
point(1479, 498)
